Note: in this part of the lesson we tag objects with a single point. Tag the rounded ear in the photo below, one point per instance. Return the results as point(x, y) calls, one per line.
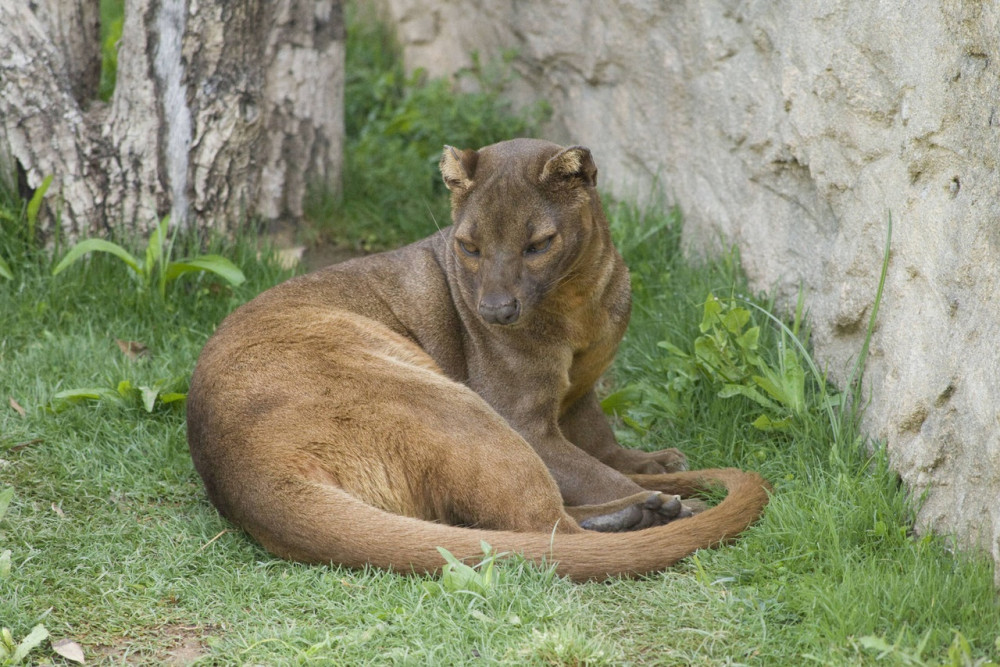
point(458, 167)
point(571, 166)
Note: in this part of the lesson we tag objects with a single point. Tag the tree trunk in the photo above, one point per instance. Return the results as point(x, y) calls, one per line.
point(42, 127)
point(222, 111)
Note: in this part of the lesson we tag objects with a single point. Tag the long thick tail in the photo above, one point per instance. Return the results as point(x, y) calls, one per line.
point(345, 530)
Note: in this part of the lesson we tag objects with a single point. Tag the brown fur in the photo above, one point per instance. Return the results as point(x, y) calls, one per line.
point(442, 394)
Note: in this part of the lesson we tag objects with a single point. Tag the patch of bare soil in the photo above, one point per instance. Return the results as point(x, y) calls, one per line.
point(173, 645)
point(189, 647)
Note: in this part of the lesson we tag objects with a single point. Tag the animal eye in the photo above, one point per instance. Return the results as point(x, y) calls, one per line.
point(469, 248)
point(538, 247)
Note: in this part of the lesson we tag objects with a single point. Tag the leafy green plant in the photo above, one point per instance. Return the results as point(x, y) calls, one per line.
point(727, 353)
point(5, 271)
point(12, 653)
point(639, 403)
point(156, 269)
point(125, 394)
point(457, 577)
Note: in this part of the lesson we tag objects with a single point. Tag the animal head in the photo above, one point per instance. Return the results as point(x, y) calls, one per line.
point(525, 213)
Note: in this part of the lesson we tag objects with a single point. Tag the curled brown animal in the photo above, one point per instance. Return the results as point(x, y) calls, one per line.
point(442, 394)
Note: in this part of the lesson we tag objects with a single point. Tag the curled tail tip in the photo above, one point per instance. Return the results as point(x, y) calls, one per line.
point(753, 477)
point(737, 478)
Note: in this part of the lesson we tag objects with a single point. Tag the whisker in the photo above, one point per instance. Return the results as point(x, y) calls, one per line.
point(433, 218)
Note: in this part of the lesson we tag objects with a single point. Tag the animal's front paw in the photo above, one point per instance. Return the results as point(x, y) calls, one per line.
point(657, 509)
point(632, 461)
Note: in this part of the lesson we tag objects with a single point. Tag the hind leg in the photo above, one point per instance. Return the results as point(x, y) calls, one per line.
point(405, 438)
point(514, 490)
point(413, 442)
point(498, 482)
point(518, 491)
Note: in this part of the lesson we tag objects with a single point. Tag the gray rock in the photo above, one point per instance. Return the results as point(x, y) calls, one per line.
point(794, 130)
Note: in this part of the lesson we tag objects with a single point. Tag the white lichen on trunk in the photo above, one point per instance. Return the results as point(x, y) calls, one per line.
point(173, 104)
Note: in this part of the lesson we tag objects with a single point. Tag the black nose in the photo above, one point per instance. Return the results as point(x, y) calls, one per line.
point(500, 310)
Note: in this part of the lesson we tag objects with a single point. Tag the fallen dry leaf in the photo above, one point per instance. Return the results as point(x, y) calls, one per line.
point(17, 406)
point(68, 649)
point(132, 349)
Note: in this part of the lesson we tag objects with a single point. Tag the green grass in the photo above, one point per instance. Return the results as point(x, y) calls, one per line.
point(114, 545)
point(112, 537)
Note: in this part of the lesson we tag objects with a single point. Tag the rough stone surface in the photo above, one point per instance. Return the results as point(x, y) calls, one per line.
point(794, 130)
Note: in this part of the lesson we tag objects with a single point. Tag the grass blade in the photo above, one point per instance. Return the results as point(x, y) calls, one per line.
point(35, 205)
point(216, 264)
point(859, 368)
point(155, 256)
point(97, 245)
point(5, 270)
point(86, 394)
point(154, 251)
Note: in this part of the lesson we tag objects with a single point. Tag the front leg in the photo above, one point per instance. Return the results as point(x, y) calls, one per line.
point(585, 425)
point(597, 495)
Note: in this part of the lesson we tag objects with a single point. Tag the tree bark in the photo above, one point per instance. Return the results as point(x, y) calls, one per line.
point(222, 111)
point(304, 98)
point(74, 28)
point(43, 129)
